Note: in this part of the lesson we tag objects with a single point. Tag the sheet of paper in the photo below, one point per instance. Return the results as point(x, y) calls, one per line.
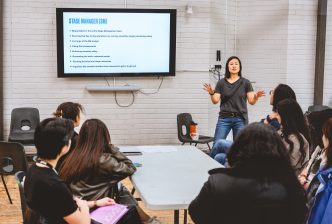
point(109, 214)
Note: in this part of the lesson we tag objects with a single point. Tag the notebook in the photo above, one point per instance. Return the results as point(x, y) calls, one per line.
point(109, 214)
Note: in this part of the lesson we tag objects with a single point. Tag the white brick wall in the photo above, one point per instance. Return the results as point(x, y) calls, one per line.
point(301, 49)
point(30, 72)
point(274, 39)
point(262, 46)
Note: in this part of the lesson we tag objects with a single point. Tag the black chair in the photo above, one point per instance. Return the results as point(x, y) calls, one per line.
point(12, 159)
point(183, 121)
point(314, 108)
point(19, 178)
point(23, 123)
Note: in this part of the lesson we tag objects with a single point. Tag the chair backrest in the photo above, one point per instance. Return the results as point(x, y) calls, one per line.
point(12, 158)
point(317, 108)
point(19, 178)
point(23, 123)
point(183, 122)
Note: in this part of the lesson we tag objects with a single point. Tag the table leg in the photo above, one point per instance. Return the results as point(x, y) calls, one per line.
point(176, 216)
point(185, 217)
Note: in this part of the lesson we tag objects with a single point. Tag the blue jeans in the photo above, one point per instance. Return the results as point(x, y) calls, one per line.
point(220, 149)
point(225, 125)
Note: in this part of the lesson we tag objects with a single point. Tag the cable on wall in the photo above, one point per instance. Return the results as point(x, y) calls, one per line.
point(132, 102)
point(133, 94)
point(145, 93)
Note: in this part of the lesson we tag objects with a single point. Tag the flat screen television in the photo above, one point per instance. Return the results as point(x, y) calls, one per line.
point(115, 42)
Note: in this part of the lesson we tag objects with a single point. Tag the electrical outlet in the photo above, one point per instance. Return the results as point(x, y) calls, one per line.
point(217, 67)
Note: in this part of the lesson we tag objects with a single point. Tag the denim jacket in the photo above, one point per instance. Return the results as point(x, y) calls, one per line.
point(321, 209)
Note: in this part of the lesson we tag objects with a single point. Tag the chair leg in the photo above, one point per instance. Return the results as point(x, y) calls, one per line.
point(209, 146)
point(4, 184)
point(196, 144)
point(132, 191)
point(182, 143)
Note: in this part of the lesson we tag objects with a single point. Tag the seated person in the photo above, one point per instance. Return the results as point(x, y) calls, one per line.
point(46, 194)
point(294, 133)
point(220, 149)
point(318, 158)
point(101, 166)
point(319, 192)
point(71, 111)
point(259, 187)
point(281, 92)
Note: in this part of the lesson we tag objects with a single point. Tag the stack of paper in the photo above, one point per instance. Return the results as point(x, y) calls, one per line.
point(109, 214)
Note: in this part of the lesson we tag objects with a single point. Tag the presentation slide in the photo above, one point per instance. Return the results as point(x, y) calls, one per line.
point(116, 42)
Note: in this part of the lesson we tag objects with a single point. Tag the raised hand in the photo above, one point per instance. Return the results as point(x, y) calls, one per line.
point(259, 94)
point(208, 88)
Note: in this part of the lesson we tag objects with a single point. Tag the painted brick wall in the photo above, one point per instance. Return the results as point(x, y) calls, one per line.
point(274, 39)
point(301, 49)
point(262, 45)
point(30, 72)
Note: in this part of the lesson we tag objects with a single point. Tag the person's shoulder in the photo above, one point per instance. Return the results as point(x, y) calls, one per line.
point(43, 176)
point(223, 176)
point(221, 81)
point(245, 81)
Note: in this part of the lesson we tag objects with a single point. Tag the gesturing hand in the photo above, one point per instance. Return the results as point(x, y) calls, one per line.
point(208, 88)
point(259, 94)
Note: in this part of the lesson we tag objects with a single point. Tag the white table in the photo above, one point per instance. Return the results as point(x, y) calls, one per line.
point(171, 180)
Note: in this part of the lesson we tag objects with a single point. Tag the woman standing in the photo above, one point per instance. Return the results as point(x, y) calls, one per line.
point(233, 92)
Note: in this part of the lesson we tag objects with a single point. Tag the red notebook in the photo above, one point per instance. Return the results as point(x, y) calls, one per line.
point(109, 214)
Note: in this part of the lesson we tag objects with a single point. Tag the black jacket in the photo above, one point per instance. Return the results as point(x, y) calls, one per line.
point(237, 196)
point(114, 166)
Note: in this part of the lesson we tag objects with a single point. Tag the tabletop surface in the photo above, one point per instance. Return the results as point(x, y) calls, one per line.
point(171, 179)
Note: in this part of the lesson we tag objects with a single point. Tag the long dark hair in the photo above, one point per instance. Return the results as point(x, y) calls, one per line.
point(293, 122)
point(227, 72)
point(281, 92)
point(93, 141)
point(327, 132)
point(316, 121)
point(260, 150)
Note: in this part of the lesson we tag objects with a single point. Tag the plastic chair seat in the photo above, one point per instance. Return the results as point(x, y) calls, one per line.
point(25, 137)
point(23, 123)
point(183, 122)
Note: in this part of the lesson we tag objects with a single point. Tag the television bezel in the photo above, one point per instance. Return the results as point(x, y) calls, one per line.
point(60, 43)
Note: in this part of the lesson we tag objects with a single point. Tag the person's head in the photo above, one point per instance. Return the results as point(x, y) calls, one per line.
point(70, 110)
point(281, 92)
point(260, 148)
point(52, 137)
point(327, 141)
point(291, 118)
point(233, 66)
point(259, 151)
point(316, 120)
point(93, 141)
point(94, 135)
